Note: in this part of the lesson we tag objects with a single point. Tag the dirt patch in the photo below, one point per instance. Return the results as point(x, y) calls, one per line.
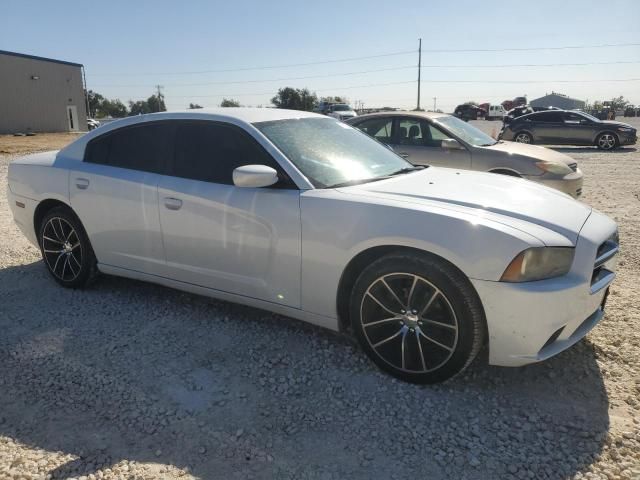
point(21, 145)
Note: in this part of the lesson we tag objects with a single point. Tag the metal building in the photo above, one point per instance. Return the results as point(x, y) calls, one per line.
point(558, 100)
point(40, 94)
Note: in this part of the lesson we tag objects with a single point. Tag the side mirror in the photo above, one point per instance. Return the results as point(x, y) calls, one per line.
point(254, 176)
point(451, 144)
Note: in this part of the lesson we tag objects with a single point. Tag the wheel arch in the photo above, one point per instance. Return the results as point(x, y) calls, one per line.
point(46, 206)
point(359, 262)
point(605, 130)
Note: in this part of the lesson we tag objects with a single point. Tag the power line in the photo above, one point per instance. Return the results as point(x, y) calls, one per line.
point(391, 54)
point(528, 49)
point(236, 82)
point(360, 72)
point(535, 81)
point(333, 89)
point(267, 67)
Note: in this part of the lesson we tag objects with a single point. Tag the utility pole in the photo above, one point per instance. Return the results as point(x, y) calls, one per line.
point(419, 68)
point(160, 96)
point(434, 103)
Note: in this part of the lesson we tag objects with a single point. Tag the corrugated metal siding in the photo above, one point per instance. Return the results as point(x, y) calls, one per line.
point(39, 105)
point(559, 101)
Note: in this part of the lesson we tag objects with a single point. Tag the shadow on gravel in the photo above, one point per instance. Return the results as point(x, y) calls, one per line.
point(127, 370)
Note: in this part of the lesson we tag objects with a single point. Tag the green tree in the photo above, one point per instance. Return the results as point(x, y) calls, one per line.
point(618, 103)
point(193, 106)
point(295, 99)
point(112, 108)
point(229, 102)
point(95, 101)
point(155, 103)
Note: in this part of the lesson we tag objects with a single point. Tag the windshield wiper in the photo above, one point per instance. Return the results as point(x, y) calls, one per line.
point(375, 179)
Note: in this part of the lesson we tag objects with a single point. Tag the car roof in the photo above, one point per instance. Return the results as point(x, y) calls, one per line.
point(244, 114)
point(404, 113)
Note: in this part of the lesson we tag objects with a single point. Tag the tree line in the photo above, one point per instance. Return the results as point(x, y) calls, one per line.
point(287, 97)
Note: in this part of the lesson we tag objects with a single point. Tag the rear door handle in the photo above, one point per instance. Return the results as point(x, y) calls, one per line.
point(82, 183)
point(172, 203)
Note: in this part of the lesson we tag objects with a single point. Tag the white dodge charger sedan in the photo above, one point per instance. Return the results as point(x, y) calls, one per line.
point(305, 216)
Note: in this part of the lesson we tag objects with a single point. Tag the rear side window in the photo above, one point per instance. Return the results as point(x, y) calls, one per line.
point(209, 152)
point(547, 117)
point(145, 147)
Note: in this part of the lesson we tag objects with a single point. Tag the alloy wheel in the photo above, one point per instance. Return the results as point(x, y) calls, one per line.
point(62, 249)
point(523, 138)
point(409, 322)
point(606, 141)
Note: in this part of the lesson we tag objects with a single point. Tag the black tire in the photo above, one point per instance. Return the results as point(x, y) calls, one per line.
point(65, 247)
point(523, 137)
point(411, 346)
point(607, 141)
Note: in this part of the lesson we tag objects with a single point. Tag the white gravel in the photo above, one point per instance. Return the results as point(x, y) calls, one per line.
point(132, 381)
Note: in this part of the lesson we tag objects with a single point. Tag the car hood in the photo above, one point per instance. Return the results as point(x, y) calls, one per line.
point(485, 195)
point(532, 151)
point(613, 123)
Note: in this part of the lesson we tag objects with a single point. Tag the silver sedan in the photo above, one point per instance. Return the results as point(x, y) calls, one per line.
point(426, 138)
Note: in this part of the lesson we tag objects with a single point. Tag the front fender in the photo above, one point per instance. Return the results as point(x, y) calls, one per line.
point(335, 229)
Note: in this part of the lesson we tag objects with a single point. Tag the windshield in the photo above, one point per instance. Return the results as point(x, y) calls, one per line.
point(329, 152)
point(466, 132)
point(341, 108)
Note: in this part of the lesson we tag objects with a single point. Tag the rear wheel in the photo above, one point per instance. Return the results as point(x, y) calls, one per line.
point(523, 137)
point(607, 141)
point(417, 317)
point(65, 248)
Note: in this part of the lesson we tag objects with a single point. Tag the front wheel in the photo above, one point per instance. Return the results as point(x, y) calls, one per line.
point(417, 317)
point(65, 248)
point(607, 141)
point(523, 137)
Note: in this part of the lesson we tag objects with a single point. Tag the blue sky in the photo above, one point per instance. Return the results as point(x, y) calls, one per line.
point(128, 47)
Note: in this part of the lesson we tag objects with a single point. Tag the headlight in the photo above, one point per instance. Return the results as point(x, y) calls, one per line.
point(625, 129)
point(554, 167)
point(539, 263)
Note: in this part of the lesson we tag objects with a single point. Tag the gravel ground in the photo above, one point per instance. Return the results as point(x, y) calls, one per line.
point(131, 380)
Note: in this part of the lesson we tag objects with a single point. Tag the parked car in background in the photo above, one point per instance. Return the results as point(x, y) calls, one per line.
point(495, 112)
point(517, 112)
point(92, 123)
point(630, 111)
point(568, 127)
point(468, 112)
point(302, 215)
point(341, 111)
point(426, 138)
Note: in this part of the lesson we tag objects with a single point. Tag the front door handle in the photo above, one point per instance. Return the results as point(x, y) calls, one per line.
point(172, 203)
point(82, 183)
point(403, 154)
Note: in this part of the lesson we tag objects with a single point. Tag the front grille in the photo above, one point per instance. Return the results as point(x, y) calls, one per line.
point(573, 166)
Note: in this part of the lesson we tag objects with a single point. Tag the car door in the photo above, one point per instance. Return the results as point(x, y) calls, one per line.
point(578, 130)
point(244, 241)
point(114, 191)
point(548, 127)
point(420, 142)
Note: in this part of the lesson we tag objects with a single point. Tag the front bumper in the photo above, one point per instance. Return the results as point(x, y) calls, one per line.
point(628, 139)
point(570, 184)
point(530, 322)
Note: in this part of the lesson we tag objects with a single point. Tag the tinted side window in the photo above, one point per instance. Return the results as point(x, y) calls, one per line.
point(145, 147)
point(547, 117)
point(209, 152)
